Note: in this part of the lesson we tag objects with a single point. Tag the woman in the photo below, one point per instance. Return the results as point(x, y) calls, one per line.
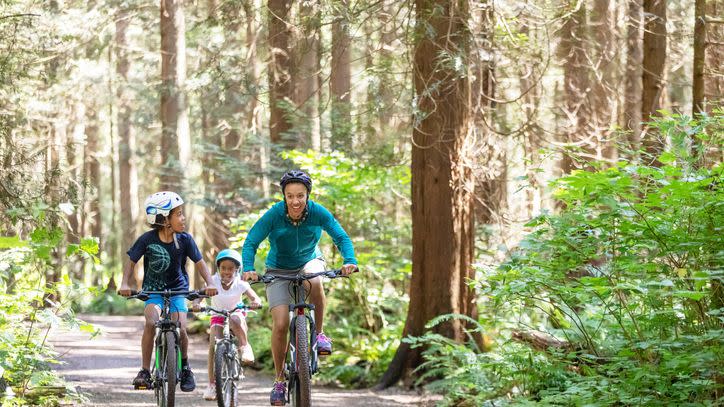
point(294, 227)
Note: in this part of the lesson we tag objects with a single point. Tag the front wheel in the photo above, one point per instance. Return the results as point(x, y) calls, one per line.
point(224, 360)
point(302, 386)
point(171, 371)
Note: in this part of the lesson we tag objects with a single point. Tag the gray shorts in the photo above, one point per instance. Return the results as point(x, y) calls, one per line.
point(278, 292)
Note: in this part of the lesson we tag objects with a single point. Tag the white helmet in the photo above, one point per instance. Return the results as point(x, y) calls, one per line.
point(161, 203)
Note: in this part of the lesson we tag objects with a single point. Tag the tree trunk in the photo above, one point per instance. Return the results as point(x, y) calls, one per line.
point(604, 100)
point(175, 139)
point(340, 82)
point(714, 56)
point(491, 163)
point(280, 80)
point(93, 169)
point(307, 77)
point(652, 78)
point(442, 183)
point(127, 141)
point(576, 134)
point(697, 104)
point(634, 56)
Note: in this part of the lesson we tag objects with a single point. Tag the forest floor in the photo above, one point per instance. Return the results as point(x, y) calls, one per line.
point(102, 370)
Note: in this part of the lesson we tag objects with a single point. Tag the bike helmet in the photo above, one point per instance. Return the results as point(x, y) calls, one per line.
point(161, 203)
point(296, 176)
point(230, 254)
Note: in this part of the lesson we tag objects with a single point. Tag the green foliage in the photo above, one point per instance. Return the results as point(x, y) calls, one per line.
point(364, 312)
point(628, 275)
point(30, 305)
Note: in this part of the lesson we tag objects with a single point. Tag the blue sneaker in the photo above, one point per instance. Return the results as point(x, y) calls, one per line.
point(324, 345)
point(279, 394)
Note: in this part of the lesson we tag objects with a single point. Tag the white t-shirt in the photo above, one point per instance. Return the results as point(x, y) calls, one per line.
point(227, 299)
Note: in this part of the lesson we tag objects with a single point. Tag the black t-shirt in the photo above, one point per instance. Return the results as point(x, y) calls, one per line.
point(164, 264)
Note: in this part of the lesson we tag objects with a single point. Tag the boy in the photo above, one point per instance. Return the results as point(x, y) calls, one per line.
point(230, 289)
point(165, 250)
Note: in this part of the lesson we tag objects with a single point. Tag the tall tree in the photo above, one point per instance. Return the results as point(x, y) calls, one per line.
point(576, 109)
point(280, 81)
point(127, 141)
point(708, 84)
point(654, 68)
point(442, 183)
point(93, 172)
point(307, 74)
point(631, 115)
point(603, 94)
point(175, 138)
point(340, 80)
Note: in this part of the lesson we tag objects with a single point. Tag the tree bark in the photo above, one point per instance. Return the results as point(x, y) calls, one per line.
point(603, 95)
point(697, 105)
point(127, 141)
point(306, 78)
point(576, 111)
point(442, 182)
point(281, 100)
point(93, 169)
point(340, 82)
point(175, 138)
point(632, 89)
point(653, 75)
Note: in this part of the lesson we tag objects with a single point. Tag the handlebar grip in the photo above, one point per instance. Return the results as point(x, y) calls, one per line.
point(253, 306)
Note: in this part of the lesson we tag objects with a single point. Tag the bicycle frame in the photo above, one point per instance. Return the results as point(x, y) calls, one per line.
point(164, 380)
point(294, 363)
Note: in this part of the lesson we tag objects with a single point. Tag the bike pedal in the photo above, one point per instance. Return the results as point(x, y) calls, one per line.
point(136, 387)
point(323, 353)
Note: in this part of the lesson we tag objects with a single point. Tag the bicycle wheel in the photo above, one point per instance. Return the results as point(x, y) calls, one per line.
point(224, 372)
point(302, 392)
point(171, 362)
point(159, 383)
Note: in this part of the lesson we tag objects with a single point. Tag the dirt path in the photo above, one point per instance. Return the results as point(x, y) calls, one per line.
point(103, 368)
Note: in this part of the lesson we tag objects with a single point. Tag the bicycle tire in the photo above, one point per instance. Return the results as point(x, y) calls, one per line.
point(171, 371)
point(302, 392)
point(224, 374)
point(159, 389)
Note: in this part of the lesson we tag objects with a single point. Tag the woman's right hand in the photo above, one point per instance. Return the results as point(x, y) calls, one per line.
point(250, 276)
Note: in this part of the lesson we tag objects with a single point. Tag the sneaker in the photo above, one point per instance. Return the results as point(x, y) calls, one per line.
point(247, 355)
point(210, 392)
point(142, 380)
point(279, 394)
point(324, 345)
point(187, 380)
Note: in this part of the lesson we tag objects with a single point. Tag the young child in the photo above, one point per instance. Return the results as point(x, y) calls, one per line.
point(165, 250)
point(230, 289)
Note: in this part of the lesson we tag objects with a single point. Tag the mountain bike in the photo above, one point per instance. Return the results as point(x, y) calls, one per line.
point(301, 359)
point(227, 366)
point(166, 368)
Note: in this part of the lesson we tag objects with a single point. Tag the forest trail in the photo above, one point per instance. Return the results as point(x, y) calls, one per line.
point(103, 368)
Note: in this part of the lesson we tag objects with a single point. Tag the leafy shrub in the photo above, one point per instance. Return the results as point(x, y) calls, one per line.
point(626, 281)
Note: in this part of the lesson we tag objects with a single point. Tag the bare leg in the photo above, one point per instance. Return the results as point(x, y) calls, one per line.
point(184, 339)
point(319, 300)
point(238, 327)
point(151, 313)
point(280, 326)
point(215, 332)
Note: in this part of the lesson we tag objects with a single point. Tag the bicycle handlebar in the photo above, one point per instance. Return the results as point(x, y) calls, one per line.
point(145, 295)
point(335, 273)
point(226, 313)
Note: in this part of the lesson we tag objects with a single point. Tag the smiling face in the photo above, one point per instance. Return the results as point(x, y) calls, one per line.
point(177, 219)
point(227, 271)
point(295, 194)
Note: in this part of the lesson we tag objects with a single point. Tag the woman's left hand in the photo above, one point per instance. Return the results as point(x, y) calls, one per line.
point(348, 269)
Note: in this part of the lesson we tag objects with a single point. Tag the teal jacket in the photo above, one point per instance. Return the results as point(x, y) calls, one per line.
point(291, 247)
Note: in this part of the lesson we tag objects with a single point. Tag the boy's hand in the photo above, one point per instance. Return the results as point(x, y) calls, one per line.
point(348, 269)
point(250, 276)
point(125, 290)
point(211, 291)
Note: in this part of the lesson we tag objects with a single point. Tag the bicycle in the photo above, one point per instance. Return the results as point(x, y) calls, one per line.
point(227, 366)
point(301, 359)
point(166, 369)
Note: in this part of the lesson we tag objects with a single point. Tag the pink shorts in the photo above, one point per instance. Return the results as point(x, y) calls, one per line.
point(219, 319)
